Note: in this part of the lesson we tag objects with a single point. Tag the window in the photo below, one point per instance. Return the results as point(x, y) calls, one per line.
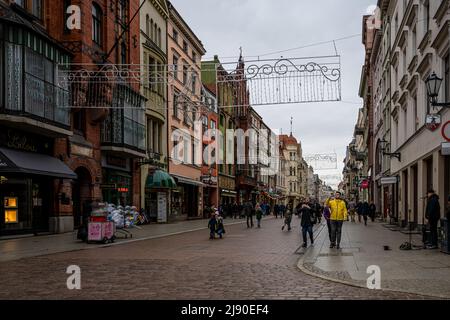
point(414, 41)
point(416, 118)
point(78, 121)
point(185, 74)
point(32, 6)
point(175, 36)
point(427, 16)
point(36, 8)
point(96, 24)
point(175, 66)
point(123, 53)
point(147, 25)
point(404, 61)
point(185, 113)
point(185, 46)
point(150, 33)
point(159, 37)
point(194, 56)
point(155, 33)
point(194, 83)
point(175, 104)
point(213, 124)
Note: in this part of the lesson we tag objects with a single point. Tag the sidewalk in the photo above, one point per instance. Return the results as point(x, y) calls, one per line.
point(14, 249)
point(425, 272)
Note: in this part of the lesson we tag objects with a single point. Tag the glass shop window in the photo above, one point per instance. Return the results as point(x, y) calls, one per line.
point(11, 210)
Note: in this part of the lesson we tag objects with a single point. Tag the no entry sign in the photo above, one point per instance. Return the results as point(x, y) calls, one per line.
point(446, 131)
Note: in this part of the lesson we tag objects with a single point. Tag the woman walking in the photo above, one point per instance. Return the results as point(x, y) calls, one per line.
point(259, 215)
point(326, 215)
point(288, 217)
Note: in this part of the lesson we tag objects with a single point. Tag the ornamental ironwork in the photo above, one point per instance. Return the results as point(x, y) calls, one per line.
point(250, 83)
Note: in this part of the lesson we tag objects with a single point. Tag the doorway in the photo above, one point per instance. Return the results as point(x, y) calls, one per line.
point(405, 198)
point(81, 194)
point(415, 194)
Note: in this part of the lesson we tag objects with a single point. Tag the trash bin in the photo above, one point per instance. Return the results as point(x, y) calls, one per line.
point(445, 236)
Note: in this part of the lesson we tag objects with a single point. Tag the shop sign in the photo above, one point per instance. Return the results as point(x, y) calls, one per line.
point(21, 141)
point(108, 186)
point(389, 180)
point(433, 122)
point(117, 162)
point(123, 190)
point(162, 207)
point(365, 184)
point(81, 151)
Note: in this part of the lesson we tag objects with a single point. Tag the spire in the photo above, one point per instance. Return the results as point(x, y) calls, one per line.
point(240, 54)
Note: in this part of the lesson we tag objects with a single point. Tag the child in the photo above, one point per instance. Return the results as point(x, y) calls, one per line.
point(220, 226)
point(259, 215)
point(212, 224)
point(288, 217)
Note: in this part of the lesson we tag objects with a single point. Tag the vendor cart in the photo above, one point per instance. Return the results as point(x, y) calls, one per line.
point(99, 229)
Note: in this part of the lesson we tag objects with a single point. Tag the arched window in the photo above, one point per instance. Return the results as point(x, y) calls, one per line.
point(155, 32)
point(150, 34)
point(159, 37)
point(147, 25)
point(97, 18)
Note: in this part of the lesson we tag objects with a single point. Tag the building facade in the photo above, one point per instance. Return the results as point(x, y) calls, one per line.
point(185, 158)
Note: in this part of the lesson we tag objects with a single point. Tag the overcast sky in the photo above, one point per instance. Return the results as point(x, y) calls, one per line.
point(264, 26)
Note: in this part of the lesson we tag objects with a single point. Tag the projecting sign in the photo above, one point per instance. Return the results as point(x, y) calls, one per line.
point(389, 180)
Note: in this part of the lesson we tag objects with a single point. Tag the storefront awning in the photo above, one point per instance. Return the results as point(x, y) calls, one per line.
point(14, 161)
point(185, 180)
point(160, 180)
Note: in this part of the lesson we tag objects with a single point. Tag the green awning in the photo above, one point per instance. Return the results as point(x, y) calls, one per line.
point(160, 180)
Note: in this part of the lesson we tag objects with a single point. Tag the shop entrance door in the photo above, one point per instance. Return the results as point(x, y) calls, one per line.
point(405, 198)
point(41, 199)
point(415, 194)
point(81, 194)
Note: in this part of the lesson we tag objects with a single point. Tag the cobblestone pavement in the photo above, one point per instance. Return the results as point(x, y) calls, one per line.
point(246, 264)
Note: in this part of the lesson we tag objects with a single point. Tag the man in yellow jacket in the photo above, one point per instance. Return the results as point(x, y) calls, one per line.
point(338, 215)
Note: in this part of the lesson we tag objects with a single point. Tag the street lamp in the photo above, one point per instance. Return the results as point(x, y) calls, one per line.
point(434, 83)
point(383, 149)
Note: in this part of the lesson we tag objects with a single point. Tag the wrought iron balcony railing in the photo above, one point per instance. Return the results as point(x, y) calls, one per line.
point(30, 87)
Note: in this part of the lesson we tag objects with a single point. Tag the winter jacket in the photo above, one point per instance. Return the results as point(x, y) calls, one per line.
point(259, 214)
point(338, 209)
point(212, 224)
point(433, 210)
point(306, 215)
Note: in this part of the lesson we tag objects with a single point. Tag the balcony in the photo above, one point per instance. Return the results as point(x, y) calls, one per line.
point(30, 96)
point(123, 131)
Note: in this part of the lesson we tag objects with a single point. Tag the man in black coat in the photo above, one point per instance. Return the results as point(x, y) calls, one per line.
point(433, 214)
point(249, 211)
point(307, 217)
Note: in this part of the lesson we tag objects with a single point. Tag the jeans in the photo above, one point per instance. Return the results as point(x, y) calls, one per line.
point(259, 223)
point(249, 218)
point(329, 228)
point(307, 229)
point(336, 230)
point(433, 232)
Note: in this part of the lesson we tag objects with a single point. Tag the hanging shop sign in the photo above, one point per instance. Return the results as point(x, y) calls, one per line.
point(446, 131)
point(433, 122)
point(364, 184)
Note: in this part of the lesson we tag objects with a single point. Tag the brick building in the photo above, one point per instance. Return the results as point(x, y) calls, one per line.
point(96, 129)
